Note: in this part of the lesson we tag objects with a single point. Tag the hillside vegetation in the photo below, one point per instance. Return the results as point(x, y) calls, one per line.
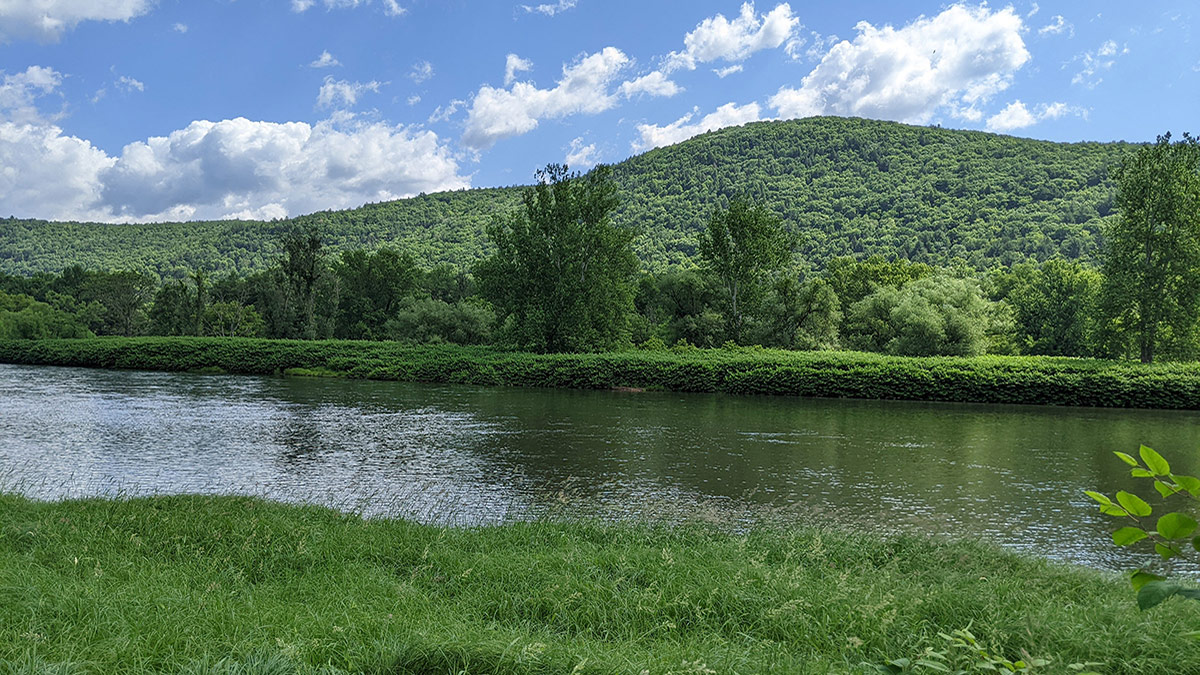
point(848, 186)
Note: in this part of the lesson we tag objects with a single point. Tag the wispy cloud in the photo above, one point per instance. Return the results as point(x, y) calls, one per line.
point(325, 60)
point(421, 72)
point(550, 8)
point(1093, 63)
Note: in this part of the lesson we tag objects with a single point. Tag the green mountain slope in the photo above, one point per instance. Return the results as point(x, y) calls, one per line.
point(850, 186)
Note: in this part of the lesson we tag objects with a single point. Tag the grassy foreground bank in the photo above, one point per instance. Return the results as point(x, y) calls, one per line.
point(991, 379)
point(230, 584)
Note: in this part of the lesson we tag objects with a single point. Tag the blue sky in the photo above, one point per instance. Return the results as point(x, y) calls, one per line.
point(138, 110)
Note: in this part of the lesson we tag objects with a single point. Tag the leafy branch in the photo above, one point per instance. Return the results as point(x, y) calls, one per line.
point(1170, 533)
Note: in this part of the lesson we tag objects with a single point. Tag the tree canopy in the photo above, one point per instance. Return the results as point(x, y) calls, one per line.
point(562, 274)
point(1152, 255)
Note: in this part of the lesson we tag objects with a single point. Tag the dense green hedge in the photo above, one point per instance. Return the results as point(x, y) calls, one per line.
point(990, 379)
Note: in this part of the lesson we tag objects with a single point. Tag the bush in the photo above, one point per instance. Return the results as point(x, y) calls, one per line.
point(425, 320)
point(988, 379)
point(928, 317)
point(23, 318)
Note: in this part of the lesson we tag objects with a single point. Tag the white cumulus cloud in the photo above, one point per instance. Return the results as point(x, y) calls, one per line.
point(1017, 115)
point(243, 168)
point(654, 84)
point(45, 174)
point(496, 113)
point(718, 38)
point(47, 20)
point(232, 168)
point(953, 61)
point(728, 115)
point(19, 93)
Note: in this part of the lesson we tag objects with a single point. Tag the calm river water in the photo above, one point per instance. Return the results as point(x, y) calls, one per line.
point(468, 455)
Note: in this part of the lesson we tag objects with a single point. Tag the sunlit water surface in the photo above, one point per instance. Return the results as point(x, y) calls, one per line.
point(470, 455)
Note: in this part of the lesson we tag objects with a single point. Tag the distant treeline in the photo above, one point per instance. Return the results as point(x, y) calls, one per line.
point(847, 187)
point(888, 306)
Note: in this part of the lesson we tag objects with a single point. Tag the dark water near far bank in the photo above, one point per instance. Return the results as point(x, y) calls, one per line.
point(1013, 474)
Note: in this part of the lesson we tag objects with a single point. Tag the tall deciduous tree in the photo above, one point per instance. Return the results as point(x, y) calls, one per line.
point(1152, 262)
point(1053, 305)
point(743, 247)
point(303, 286)
point(562, 275)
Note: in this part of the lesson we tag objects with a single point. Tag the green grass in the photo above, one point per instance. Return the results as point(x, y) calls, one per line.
point(231, 584)
point(989, 379)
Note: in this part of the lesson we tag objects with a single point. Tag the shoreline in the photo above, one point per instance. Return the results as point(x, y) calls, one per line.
point(1032, 380)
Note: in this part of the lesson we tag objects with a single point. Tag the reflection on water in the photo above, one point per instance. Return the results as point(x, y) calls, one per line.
point(1014, 474)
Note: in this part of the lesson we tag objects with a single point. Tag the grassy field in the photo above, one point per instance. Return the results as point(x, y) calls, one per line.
point(990, 379)
point(239, 585)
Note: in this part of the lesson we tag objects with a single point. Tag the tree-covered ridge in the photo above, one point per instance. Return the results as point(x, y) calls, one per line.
point(446, 227)
point(861, 187)
point(847, 186)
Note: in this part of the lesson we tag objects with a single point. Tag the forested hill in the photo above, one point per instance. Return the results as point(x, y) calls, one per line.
point(850, 186)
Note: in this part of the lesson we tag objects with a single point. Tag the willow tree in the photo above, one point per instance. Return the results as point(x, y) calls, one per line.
point(562, 276)
point(1152, 258)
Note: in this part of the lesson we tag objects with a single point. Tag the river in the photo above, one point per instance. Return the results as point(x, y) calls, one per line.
point(472, 455)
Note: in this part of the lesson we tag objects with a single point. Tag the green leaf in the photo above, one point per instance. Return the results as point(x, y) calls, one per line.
point(1140, 473)
point(1154, 593)
point(1196, 544)
point(1129, 535)
point(1133, 504)
point(1189, 483)
point(1164, 489)
point(1165, 551)
point(932, 665)
point(1154, 461)
point(1140, 578)
point(1113, 510)
point(1176, 526)
point(1127, 459)
point(1100, 498)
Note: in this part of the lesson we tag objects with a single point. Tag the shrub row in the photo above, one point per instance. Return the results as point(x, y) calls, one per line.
point(989, 379)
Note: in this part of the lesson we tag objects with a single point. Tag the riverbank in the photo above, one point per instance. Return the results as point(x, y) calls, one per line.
point(989, 379)
point(231, 584)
